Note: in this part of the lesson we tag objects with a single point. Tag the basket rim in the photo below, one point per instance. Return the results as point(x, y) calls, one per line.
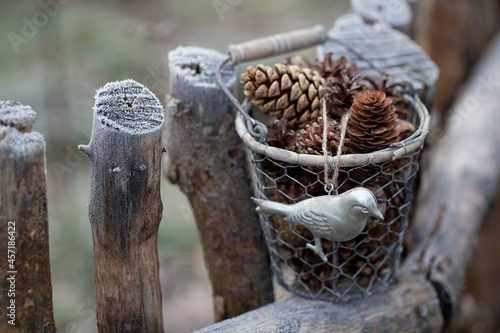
point(394, 151)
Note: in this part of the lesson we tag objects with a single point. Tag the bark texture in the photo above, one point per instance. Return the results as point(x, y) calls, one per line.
point(23, 201)
point(205, 158)
point(125, 207)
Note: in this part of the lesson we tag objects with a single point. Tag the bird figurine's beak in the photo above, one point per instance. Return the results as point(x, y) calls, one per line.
point(378, 214)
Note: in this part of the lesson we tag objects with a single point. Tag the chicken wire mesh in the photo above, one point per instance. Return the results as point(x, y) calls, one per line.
point(355, 268)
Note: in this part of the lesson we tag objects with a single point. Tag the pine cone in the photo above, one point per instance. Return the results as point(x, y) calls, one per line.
point(373, 122)
point(279, 136)
point(330, 70)
point(286, 92)
point(340, 93)
point(342, 84)
point(373, 126)
point(391, 89)
point(310, 139)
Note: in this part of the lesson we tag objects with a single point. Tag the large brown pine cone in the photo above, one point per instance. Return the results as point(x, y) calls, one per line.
point(373, 126)
point(286, 92)
point(373, 122)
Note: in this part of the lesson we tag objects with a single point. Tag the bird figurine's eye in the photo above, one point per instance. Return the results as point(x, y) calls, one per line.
point(364, 210)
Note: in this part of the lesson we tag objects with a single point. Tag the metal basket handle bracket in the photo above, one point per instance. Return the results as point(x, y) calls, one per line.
point(277, 44)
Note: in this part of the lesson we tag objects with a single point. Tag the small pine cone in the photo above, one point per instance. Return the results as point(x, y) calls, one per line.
point(373, 122)
point(340, 92)
point(342, 84)
point(373, 126)
point(330, 70)
point(286, 92)
point(279, 136)
point(310, 139)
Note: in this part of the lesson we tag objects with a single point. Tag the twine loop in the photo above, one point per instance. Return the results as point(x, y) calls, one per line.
point(331, 184)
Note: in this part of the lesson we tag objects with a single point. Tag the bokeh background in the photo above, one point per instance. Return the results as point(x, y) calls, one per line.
point(54, 57)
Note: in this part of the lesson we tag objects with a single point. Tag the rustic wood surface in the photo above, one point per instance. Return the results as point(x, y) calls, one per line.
point(125, 207)
point(410, 305)
point(478, 307)
point(454, 33)
point(205, 158)
point(378, 45)
point(396, 13)
point(23, 200)
point(459, 184)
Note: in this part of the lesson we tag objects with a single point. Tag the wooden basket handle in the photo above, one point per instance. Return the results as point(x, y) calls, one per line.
point(276, 44)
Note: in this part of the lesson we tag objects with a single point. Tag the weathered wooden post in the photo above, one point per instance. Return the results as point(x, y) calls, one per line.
point(125, 207)
point(206, 158)
point(26, 289)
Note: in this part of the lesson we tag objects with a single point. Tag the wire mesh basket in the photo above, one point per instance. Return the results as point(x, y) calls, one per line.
point(329, 270)
point(355, 268)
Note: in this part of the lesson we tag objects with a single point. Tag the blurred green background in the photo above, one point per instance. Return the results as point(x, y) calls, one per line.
point(54, 55)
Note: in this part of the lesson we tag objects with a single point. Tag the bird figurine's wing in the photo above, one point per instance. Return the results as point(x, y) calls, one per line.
point(314, 221)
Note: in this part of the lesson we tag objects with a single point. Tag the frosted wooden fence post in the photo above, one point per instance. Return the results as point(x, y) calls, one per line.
point(125, 207)
point(205, 157)
point(25, 274)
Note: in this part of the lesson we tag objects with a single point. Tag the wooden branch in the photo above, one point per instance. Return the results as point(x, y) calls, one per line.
point(26, 289)
point(479, 304)
point(205, 157)
point(125, 207)
point(459, 184)
point(409, 306)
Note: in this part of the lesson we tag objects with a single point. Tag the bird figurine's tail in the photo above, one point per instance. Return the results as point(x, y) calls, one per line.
point(271, 207)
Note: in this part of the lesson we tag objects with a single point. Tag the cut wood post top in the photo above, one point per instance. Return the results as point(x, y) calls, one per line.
point(128, 106)
point(16, 123)
point(192, 80)
point(17, 115)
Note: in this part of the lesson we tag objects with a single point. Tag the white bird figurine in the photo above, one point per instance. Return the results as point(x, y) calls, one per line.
point(338, 218)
